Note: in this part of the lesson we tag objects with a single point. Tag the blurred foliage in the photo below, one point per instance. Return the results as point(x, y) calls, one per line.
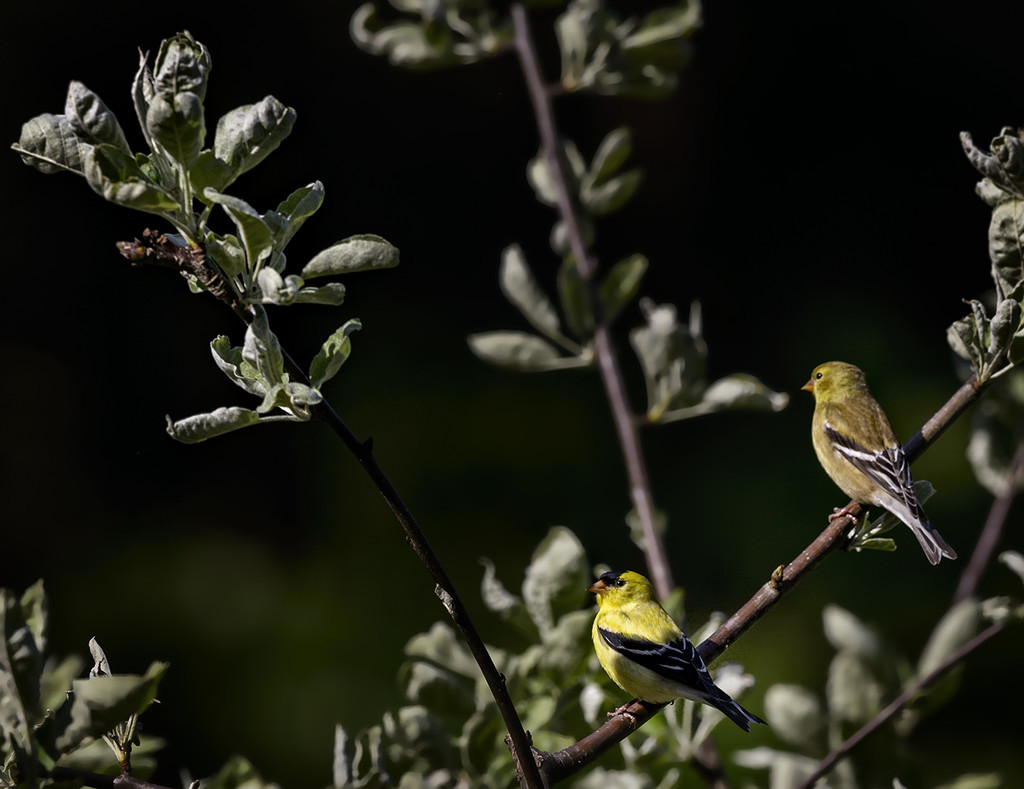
point(87, 140)
point(48, 716)
point(864, 674)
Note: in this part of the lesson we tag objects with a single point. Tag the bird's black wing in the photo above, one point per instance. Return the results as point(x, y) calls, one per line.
point(677, 660)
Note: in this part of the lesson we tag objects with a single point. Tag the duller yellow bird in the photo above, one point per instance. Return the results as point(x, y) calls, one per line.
point(646, 653)
point(858, 449)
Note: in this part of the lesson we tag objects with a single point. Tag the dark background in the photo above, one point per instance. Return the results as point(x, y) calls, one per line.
point(805, 183)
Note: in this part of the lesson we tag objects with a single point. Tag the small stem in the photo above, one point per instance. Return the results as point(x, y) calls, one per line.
point(830, 761)
point(607, 359)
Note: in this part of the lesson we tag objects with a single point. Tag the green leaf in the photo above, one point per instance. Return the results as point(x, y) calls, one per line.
point(21, 667)
point(442, 691)
point(182, 66)
point(209, 172)
point(610, 195)
point(118, 178)
point(100, 703)
point(1005, 240)
point(332, 354)
point(611, 154)
point(521, 289)
point(556, 578)
point(966, 336)
point(958, 626)
point(342, 766)
point(846, 633)
point(853, 692)
point(992, 443)
point(294, 397)
point(293, 212)
point(733, 392)
point(567, 645)
point(227, 253)
point(246, 135)
point(673, 357)
point(508, 606)
point(176, 122)
point(238, 773)
point(263, 351)
point(49, 144)
point(92, 121)
point(636, 527)
point(521, 351)
point(276, 289)
point(252, 230)
point(356, 253)
point(621, 285)
point(331, 294)
point(36, 612)
point(1015, 561)
point(574, 296)
point(232, 363)
point(794, 714)
point(200, 427)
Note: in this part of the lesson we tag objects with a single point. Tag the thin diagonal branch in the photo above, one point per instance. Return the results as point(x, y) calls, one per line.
point(830, 761)
point(607, 360)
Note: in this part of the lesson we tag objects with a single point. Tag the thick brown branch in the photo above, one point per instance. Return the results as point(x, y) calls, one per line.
point(560, 765)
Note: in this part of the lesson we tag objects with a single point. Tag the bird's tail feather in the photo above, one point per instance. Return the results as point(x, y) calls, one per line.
point(734, 712)
point(931, 542)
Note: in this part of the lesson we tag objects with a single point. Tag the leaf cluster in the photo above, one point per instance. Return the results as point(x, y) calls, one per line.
point(88, 140)
point(991, 344)
point(48, 716)
point(600, 52)
point(671, 353)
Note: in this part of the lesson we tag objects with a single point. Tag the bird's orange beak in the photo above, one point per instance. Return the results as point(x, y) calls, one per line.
point(809, 386)
point(598, 587)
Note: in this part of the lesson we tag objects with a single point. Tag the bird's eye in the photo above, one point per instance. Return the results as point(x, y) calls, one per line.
point(817, 377)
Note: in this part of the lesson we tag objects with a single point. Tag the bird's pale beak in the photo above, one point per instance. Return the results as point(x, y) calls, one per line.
point(598, 587)
point(809, 386)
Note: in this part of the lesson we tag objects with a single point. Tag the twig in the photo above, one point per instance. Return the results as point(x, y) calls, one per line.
point(607, 360)
point(830, 761)
point(992, 531)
